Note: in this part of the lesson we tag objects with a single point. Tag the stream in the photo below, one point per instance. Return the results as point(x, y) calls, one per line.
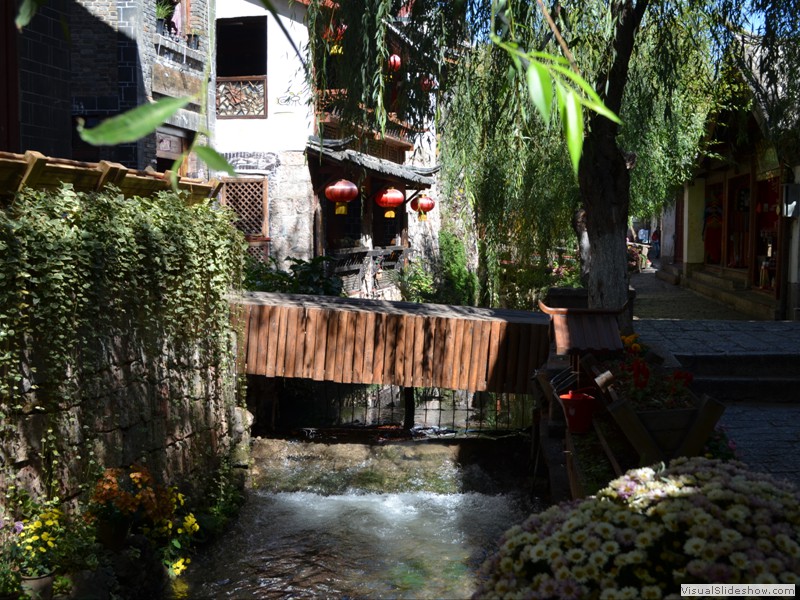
point(407, 520)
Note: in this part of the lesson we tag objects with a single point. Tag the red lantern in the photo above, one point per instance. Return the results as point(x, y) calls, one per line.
point(427, 83)
point(390, 198)
point(341, 192)
point(394, 63)
point(422, 204)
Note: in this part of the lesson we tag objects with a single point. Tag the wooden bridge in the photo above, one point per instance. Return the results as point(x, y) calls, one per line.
point(361, 341)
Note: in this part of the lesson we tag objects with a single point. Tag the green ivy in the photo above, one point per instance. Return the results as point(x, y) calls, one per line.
point(79, 269)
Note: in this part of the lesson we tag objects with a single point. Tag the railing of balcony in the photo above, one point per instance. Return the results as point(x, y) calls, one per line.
point(242, 97)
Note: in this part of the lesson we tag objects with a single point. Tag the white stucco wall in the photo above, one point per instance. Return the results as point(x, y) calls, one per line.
point(289, 119)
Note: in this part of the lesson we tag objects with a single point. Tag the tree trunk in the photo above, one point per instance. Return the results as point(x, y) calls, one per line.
point(604, 178)
point(605, 191)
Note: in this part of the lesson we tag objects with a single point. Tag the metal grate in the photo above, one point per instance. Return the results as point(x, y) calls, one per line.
point(305, 403)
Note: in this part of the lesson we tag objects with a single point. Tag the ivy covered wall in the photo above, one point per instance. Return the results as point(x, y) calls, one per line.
point(115, 337)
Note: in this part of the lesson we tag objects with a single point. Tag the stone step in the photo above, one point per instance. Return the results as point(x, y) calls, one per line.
point(757, 305)
point(759, 378)
point(669, 273)
point(757, 388)
point(741, 366)
point(730, 282)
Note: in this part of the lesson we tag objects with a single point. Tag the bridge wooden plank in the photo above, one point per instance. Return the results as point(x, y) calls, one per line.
point(379, 349)
point(428, 339)
point(523, 375)
point(439, 348)
point(409, 329)
point(390, 348)
point(272, 331)
point(455, 342)
point(320, 344)
point(253, 335)
point(480, 351)
point(292, 316)
point(341, 348)
point(497, 354)
point(280, 355)
point(399, 350)
point(418, 362)
point(349, 342)
point(359, 343)
point(330, 345)
point(462, 382)
point(310, 342)
point(300, 348)
point(369, 349)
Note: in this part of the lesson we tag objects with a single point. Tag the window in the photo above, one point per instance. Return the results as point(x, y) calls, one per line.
point(247, 197)
point(242, 68)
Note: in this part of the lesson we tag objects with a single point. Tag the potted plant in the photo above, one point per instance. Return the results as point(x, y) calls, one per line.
point(41, 547)
point(164, 10)
point(193, 39)
point(654, 406)
point(651, 530)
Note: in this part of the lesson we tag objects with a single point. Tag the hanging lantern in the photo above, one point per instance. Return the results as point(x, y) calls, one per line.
point(394, 63)
point(422, 205)
point(341, 192)
point(390, 198)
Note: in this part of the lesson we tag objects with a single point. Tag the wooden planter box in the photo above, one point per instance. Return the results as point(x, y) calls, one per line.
point(660, 435)
point(657, 435)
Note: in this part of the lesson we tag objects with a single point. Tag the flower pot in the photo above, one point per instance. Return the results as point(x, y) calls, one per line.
point(161, 26)
point(578, 410)
point(38, 588)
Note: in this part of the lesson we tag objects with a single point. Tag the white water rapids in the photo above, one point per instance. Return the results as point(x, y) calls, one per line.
point(301, 544)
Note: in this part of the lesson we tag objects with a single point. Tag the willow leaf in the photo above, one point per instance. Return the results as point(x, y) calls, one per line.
point(569, 106)
point(214, 159)
point(26, 12)
point(133, 124)
point(540, 88)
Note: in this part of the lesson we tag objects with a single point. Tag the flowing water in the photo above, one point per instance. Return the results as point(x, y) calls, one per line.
point(406, 542)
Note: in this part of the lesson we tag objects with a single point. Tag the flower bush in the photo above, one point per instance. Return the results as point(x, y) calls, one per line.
point(41, 542)
point(696, 521)
point(10, 531)
point(647, 385)
point(159, 512)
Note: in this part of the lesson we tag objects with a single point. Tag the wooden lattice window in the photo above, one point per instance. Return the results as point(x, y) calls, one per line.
point(247, 197)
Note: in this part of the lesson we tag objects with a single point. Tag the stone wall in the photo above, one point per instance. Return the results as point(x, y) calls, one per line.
point(175, 412)
point(291, 209)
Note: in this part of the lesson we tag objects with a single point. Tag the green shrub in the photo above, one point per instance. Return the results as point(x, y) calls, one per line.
point(303, 277)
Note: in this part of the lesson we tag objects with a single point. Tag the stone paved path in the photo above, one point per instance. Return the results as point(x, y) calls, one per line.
point(683, 322)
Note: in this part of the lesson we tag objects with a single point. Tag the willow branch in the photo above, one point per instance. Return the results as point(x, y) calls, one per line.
point(557, 33)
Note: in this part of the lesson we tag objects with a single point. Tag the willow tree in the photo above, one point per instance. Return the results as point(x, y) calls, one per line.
point(598, 42)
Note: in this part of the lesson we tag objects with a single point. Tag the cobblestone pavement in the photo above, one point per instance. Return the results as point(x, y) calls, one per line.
point(685, 323)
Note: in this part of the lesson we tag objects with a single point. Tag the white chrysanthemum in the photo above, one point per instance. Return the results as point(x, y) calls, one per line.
point(651, 592)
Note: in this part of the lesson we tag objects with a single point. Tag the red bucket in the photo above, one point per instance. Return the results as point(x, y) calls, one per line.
point(578, 409)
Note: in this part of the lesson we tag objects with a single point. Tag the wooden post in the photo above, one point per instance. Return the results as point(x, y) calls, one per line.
point(408, 402)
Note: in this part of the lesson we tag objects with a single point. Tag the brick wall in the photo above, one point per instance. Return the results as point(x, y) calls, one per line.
point(44, 81)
